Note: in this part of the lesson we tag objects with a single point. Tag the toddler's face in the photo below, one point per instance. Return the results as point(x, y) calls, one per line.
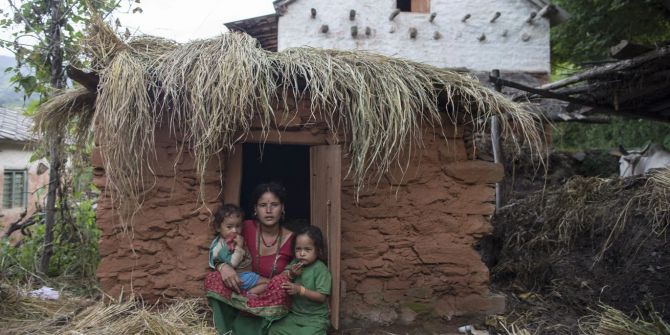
point(305, 251)
point(230, 226)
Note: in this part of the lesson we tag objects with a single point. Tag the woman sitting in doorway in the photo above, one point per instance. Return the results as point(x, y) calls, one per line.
point(271, 249)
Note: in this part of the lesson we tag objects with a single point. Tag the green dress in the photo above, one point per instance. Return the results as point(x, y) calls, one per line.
point(307, 317)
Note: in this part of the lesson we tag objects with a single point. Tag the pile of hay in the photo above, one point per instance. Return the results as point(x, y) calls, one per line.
point(605, 321)
point(20, 314)
point(564, 251)
point(210, 90)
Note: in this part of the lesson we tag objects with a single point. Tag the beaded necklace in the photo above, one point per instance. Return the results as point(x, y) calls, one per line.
point(258, 250)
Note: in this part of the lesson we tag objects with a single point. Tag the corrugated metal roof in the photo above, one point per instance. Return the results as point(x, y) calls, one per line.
point(14, 126)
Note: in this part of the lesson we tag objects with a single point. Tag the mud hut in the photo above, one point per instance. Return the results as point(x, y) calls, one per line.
point(380, 146)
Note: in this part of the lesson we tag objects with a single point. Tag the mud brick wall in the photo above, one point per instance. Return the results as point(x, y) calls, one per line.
point(408, 248)
point(165, 252)
point(407, 245)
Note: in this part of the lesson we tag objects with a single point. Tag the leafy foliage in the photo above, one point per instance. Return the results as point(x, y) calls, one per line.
point(596, 25)
point(627, 132)
point(75, 245)
point(30, 21)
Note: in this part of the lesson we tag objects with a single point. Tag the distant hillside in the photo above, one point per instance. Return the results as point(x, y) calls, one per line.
point(8, 97)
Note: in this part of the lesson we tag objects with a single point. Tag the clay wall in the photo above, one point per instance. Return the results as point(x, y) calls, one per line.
point(164, 252)
point(407, 246)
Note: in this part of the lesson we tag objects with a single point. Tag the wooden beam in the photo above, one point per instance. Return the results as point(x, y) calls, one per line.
point(541, 92)
point(626, 50)
point(325, 201)
point(233, 177)
point(89, 80)
point(302, 137)
point(609, 68)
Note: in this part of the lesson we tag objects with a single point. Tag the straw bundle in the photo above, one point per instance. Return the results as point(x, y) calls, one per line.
point(610, 321)
point(20, 314)
point(208, 90)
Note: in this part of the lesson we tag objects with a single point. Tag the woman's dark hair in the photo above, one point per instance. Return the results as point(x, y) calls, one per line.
point(273, 187)
point(223, 212)
point(314, 233)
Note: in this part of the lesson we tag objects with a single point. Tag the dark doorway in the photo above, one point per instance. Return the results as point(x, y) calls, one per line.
point(286, 164)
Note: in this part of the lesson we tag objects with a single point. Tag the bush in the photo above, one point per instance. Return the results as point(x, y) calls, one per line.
point(75, 246)
point(627, 132)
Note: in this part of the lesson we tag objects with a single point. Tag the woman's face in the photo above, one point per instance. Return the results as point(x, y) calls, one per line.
point(269, 209)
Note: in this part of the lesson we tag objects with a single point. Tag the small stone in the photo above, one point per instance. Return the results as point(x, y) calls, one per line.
point(407, 316)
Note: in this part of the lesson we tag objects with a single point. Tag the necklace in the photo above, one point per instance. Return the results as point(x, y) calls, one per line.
point(268, 245)
point(278, 239)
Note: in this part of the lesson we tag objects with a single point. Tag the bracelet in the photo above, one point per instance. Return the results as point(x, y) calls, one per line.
point(302, 290)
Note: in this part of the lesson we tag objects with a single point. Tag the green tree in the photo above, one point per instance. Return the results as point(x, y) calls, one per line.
point(53, 29)
point(596, 25)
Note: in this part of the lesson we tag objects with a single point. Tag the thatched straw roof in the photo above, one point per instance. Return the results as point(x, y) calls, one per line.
point(211, 89)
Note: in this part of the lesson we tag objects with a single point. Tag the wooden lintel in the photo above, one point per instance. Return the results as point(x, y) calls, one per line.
point(303, 137)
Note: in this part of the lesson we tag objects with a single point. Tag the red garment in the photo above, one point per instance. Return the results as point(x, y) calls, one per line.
point(285, 252)
point(274, 301)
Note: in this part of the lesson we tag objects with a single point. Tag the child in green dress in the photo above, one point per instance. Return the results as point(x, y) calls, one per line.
point(310, 289)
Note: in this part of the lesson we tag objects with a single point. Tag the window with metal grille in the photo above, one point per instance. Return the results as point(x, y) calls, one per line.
point(14, 189)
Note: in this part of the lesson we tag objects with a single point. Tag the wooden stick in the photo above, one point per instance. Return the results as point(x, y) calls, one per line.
point(609, 68)
point(495, 139)
point(495, 17)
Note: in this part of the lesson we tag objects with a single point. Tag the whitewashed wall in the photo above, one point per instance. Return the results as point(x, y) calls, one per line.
point(459, 46)
point(14, 156)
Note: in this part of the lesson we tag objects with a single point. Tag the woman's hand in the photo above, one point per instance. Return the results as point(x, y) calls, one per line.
point(230, 277)
point(290, 288)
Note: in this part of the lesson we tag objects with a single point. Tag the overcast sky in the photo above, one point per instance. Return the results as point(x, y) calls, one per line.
point(182, 20)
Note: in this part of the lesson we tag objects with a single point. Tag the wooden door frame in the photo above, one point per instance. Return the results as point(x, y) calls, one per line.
point(233, 185)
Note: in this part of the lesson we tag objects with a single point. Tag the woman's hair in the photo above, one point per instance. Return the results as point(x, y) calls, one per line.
point(314, 233)
point(223, 212)
point(273, 187)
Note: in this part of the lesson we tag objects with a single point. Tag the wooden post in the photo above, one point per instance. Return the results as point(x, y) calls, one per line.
point(325, 200)
point(495, 141)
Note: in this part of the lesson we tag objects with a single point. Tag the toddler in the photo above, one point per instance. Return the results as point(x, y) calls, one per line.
point(310, 289)
point(228, 248)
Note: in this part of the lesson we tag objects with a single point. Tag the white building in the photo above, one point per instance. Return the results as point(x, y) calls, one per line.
point(21, 179)
point(474, 35)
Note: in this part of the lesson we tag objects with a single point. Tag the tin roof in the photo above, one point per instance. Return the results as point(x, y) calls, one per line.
point(14, 126)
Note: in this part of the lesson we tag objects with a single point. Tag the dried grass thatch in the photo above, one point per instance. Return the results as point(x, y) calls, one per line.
point(611, 321)
point(208, 90)
point(20, 314)
point(605, 321)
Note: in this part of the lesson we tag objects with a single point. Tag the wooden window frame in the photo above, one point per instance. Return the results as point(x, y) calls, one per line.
point(325, 207)
point(12, 173)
